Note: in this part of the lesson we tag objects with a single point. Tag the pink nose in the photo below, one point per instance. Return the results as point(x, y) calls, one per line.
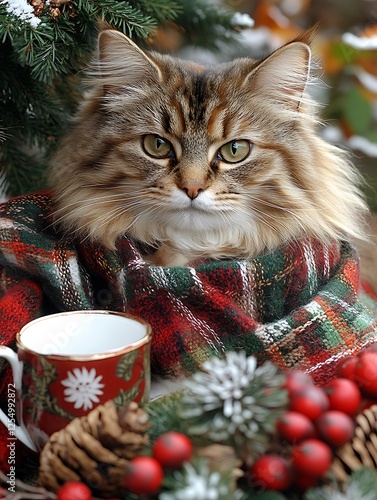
point(193, 189)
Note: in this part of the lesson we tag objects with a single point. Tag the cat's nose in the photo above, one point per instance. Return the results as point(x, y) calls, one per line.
point(193, 189)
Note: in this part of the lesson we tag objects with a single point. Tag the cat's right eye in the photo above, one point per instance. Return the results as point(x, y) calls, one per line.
point(157, 147)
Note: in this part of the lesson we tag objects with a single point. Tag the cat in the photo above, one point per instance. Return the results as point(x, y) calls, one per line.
point(194, 162)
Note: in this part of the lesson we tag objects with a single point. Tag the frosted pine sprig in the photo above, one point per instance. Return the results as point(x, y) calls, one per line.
point(233, 400)
point(361, 484)
point(198, 482)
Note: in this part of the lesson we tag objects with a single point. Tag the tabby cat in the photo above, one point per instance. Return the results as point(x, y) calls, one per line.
point(193, 162)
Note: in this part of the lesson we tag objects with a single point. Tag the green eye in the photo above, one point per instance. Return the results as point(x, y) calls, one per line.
point(156, 146)
point(235, 151)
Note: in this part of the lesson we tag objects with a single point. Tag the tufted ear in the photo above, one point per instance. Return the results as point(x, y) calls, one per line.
point(122, 63)
point(283, 76)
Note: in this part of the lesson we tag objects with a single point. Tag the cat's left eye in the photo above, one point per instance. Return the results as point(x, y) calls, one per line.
point(157, 146)
point(235, 151)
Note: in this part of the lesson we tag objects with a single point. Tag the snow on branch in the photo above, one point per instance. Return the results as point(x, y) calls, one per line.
point(360, 42)
point(22, 10)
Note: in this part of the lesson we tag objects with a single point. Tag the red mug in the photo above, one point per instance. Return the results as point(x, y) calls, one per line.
point(68, 363)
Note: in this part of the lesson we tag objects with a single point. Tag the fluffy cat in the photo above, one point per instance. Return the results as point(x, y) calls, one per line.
point(217, 162)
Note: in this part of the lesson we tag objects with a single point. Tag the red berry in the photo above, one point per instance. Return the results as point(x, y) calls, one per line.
point(172, 449)
point(365, 374)
point(335, 427)
point(74, 490)
point(271, 472)
point(143, 476)
point(311, 457)
point(297, 381)
point(371, 348)
point(312, 402)
point(346, 367)
point(344, 395)
point(303, 482)
point(293, 426)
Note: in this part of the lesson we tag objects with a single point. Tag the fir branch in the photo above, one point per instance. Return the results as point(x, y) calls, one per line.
point(163, 415)
point(39, 50)
point(24, 172)
point(205, 25)
point(30, 111)
point(161, 10)
point(122, 15)
point(362, 484)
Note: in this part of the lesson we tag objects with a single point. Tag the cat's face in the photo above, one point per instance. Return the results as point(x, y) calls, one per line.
point(216, 162)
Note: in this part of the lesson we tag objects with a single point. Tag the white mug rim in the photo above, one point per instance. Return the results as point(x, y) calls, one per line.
point(87, 357)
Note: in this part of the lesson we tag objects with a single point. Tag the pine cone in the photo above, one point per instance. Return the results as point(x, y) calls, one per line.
point(38, 6)
point(361, 451)
point(95, 449)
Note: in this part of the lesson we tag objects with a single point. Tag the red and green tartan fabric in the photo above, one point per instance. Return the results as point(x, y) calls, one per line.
point(299, 306)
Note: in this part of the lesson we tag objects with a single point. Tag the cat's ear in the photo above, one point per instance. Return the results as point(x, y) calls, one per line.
point(283, 76)
point(122, 62)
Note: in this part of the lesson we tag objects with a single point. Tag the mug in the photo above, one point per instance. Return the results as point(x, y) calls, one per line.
point(68, 363)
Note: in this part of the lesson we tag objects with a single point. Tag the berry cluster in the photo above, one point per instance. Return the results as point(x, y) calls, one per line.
point(318, 421)
point(145, 474)
point(362, 369)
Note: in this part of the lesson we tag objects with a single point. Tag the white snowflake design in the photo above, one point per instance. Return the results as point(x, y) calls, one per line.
point(83, 388)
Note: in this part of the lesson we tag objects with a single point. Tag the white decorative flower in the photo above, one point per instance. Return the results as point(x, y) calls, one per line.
point(197, 482)
point(83, 387)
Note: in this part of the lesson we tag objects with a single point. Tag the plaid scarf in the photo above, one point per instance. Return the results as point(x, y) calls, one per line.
point(298, 306)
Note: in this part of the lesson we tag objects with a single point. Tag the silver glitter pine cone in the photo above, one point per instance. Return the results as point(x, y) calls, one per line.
point(233, 401)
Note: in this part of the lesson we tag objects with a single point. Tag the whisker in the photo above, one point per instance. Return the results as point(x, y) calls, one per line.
point(261, 216)
point(96, 201)
point(278, 207)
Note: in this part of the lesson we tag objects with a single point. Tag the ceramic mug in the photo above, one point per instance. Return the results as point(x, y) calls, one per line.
point(68, 363)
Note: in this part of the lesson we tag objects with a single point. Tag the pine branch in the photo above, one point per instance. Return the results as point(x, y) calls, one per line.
point(161, 10)
point(163, 414)
point(206, 25)
point(52, 49)
point(23, 171)
point(122, 15)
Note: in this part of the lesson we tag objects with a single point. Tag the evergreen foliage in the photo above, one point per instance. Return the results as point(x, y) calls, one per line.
point(44, 47)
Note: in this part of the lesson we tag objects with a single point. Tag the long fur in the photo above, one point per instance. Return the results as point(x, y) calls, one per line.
point(292, 185)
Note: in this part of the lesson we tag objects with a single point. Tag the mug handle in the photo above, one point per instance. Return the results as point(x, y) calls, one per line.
point(19, 430)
